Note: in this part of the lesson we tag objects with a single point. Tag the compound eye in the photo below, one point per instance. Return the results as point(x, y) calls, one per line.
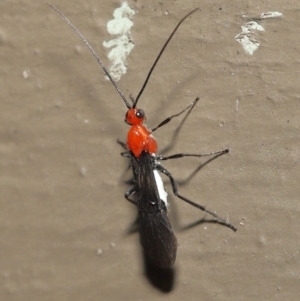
point(140, 114)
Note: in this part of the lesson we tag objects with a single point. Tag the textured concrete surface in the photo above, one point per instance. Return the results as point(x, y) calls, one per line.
point(64, 221)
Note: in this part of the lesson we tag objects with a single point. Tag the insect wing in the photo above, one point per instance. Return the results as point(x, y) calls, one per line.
point(157, 238)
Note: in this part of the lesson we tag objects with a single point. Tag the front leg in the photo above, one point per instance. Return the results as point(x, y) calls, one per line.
point(167, 120)
point(181, 155)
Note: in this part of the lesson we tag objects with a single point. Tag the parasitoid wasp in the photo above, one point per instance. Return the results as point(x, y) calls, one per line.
point(156, 235)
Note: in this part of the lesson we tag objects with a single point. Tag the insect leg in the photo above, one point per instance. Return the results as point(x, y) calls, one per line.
point(176, 156)
point(167, 120)
point(203, 208)
point(122, 144)
point(126, 154)
point(128, 193)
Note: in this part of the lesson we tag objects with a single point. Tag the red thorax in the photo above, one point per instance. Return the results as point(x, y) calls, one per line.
point(139, 137)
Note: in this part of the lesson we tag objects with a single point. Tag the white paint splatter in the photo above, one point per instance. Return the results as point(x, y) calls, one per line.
point(26, 73)
point(237, 104)
point(121, 45)
point(271, 14)
point(247, 37)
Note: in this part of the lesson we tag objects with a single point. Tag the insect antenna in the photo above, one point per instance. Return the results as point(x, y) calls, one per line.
point(159, 55)
point(93, 52)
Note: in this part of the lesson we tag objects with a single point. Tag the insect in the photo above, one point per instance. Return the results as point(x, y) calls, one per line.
point(156, 235)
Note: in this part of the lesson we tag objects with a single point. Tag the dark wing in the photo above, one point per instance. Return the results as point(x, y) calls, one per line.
point(157, 238)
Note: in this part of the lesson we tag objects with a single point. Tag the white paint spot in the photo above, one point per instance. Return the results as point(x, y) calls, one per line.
point(121, 45)
point(271, 14)
point(237, 104)
point(83, 171)
point(247, 37)
point(160, 187)
point(25, 73)
point(242, 222)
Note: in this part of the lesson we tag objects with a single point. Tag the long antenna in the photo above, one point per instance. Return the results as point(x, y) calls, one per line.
point(93, 52)
point(158, 57)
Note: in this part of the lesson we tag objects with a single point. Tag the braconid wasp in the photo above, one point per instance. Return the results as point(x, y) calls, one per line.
point(156, 234)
